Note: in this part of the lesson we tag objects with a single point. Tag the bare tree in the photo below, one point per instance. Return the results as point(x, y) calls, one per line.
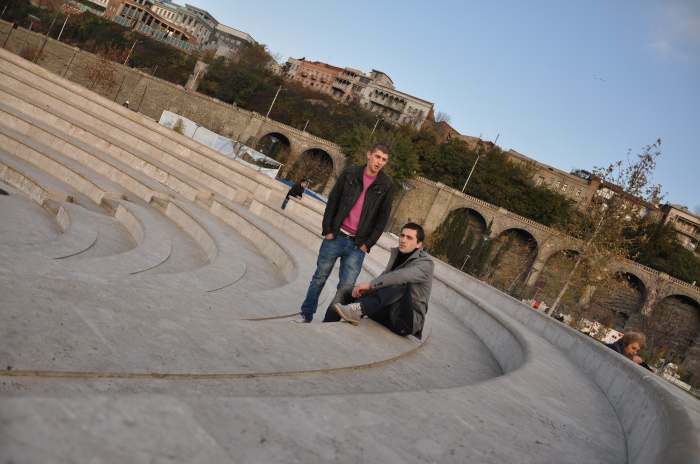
point(102, 71)
point(609, 226)
point(442, 117)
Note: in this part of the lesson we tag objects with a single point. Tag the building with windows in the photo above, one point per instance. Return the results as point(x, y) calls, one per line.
point(395, 107)
point(374, 91)
point(227, 40)
point(686, 225)
point(186, 27)
point(140, 16)
point(312, 74)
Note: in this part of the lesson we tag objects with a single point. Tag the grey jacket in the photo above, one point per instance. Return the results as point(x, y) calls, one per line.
point(417, 273)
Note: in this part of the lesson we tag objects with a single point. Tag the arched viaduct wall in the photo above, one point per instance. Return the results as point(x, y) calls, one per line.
point(431, 202)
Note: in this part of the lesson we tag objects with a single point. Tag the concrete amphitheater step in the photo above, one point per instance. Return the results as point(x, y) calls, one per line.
point(282, 247)
point(180, 153)
point(64, 124)
point(77, 157)
point(208, 341)
point(228, 257)
point(152, 248)
point(24, 130)
point(20, 148)
point(24, 222)
point(62, 190)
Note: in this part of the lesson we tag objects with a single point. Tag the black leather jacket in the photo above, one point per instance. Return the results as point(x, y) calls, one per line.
point(375, 210)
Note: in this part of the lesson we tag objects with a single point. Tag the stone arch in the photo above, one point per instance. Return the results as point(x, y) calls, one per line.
point(509, 259)
point(316, 164)
point(275, 145)
point(459, 240)
point(556, 269)
point(618, 301)
point(673, 333)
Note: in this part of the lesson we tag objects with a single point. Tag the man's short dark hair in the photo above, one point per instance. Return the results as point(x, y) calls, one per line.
point(420, 233)
point(384, 148)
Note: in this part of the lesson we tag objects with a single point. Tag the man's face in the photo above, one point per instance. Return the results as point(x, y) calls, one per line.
point(408, 241)
point(376, 160)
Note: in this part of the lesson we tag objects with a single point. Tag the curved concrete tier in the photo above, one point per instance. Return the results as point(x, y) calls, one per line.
point(128, 352)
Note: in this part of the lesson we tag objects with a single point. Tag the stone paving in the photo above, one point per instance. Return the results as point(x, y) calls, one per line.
point(148, 320)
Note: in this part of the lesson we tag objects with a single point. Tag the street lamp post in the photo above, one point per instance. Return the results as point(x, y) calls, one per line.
point(273, 102)
point(62, 27)
point(46, 39)
point(375, 126)
point(478, 155)
point(128, 55)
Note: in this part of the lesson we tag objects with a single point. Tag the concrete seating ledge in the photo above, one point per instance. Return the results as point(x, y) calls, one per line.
point(63, 126)
point(656, 419)
point(159, 137)
point(57, 170)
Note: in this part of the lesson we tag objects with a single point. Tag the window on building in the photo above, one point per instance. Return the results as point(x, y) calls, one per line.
point(578, 192)
point(564, 188)
point(539, 181)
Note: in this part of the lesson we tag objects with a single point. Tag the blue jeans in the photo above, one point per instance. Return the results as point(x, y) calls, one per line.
point(351, 258)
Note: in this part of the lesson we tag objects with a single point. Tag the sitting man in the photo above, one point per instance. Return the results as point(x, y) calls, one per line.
point(398, 298)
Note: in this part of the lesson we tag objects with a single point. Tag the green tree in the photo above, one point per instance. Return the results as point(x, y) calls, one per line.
point(659, 248)
point(403, 160)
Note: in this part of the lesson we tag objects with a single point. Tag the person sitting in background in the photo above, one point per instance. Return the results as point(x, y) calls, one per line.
point(296, 191)
point(629, 346)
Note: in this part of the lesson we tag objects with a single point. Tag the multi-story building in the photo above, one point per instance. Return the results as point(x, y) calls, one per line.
point(396, 107)
point(227, 40)
point(187, 27)
point(97, 7)
point(374, 91)
point(312, 74)
point(686, 225)
point(139, 15)
point(349, 85)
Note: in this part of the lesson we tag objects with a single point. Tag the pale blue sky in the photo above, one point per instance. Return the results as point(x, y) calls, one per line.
point(571, 84)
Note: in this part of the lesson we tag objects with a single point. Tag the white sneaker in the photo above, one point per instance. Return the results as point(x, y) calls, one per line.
point(301, 319)
point(351, 313)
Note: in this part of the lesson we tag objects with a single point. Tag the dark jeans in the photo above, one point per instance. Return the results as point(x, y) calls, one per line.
point(351, 258)
point(284, 203)
point(390, 306)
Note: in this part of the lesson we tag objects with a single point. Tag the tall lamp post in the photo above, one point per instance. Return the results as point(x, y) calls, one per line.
point(375, 126)
point(478, 155)
point(279, 89)
point(69, 11)
point(131, 50)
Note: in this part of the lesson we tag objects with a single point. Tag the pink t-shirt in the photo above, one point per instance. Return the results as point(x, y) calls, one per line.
point(352, 221)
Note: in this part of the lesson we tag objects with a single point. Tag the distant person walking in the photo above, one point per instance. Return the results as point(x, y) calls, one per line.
point(357, 211)
point(296, 191)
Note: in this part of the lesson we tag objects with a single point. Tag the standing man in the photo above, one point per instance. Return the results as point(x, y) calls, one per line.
point(356, 213)
point(398, 298)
